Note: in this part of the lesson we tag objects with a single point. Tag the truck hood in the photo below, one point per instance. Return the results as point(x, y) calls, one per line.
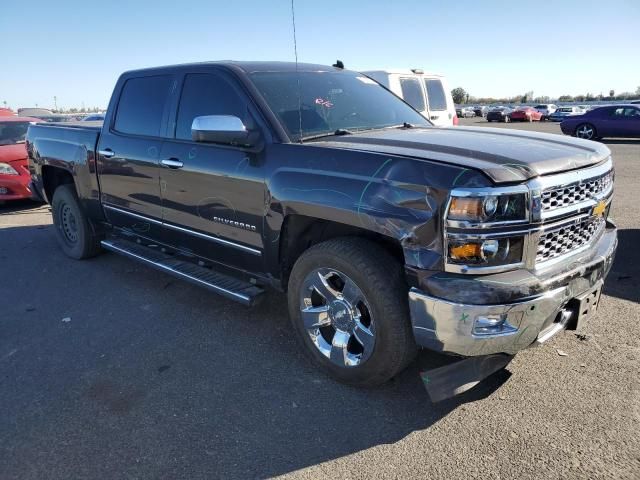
point(11, 153)
point(505, 156)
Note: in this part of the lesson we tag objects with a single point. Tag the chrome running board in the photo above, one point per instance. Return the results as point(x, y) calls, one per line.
point(243, 292)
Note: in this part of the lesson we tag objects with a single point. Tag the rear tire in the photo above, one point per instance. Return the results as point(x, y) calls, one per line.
point(73, 231)
point(586, 131)
point(348, 306)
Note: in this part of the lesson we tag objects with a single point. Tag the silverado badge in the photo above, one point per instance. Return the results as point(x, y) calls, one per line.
point(599, 209)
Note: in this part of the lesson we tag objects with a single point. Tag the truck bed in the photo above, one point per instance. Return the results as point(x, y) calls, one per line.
point(70, 146)
point(94, 125)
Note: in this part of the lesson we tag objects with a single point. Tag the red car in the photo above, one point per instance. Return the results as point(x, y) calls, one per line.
point(528, 114)
point(14, 172)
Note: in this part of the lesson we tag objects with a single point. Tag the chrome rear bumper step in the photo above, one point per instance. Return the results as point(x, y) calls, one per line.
point(225, 285)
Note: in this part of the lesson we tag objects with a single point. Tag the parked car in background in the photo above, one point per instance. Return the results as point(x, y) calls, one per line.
point(610, 121)
point(546, 109)
point(499, 114)
point(5, 112)
point(42, 114)
point(465, 112)
point(526, 114)
point(94, 117)
point(562, 112)
point(635, 102)
point(428, 93)
point(481, 110)
point(14, 172)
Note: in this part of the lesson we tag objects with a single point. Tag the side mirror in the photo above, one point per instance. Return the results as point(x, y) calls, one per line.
point(219, 129)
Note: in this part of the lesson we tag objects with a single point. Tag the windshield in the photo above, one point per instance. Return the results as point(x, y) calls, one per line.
point(332, 101)
point(13, 132)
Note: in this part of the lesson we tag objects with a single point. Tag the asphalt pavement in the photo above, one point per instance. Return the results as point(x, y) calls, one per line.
point(109, 369)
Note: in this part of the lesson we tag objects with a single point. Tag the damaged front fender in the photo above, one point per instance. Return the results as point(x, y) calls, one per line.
point(398, 197)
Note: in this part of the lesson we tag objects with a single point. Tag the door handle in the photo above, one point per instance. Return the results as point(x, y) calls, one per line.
point(172, 163)
point(107, 153)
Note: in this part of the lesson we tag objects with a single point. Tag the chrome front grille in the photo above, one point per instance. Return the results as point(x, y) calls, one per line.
point(566, 196)
point(567, 214)
point(568, 238)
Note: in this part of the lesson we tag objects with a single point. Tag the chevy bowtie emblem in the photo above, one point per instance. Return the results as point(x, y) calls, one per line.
point(599, 209)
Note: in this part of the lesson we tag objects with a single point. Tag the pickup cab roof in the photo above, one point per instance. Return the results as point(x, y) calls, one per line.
point(247, 67)
point(405, 71)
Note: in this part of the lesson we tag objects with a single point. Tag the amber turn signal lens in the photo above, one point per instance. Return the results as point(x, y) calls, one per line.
point(465, 251)
point(466, 207)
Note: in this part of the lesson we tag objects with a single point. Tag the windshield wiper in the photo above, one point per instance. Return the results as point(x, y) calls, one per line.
point(339, 132)
point(407, 125)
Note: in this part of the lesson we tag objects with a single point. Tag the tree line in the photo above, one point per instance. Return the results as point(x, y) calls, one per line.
point(461, 96)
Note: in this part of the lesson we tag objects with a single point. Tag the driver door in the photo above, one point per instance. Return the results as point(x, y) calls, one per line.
point(212, 194)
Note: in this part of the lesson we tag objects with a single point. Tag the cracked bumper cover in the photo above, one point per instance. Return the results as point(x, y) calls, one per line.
point(535, 300)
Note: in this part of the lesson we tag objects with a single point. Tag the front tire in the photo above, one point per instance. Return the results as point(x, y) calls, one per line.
point(586, 131)
point(348, 306)
point(73, 231)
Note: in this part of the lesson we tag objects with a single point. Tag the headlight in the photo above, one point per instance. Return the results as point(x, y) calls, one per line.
point(485, 252)
point(488, 208)
point(6, 169)
point(475, 237)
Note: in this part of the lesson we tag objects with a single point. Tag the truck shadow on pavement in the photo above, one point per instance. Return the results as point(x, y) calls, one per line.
point(22, 207)
point(624, 278)
point(111, 369)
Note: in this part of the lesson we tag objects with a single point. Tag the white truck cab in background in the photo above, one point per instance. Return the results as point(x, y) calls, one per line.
point(428, 93)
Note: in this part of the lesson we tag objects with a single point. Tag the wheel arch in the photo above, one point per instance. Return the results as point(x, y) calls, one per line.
point(53, 177)
point(300, 232)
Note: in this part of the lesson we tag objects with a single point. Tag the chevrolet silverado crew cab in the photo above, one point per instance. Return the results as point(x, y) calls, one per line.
point(387, 233)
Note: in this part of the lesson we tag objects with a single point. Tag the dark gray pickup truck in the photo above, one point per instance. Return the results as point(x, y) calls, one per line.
point(387, 234)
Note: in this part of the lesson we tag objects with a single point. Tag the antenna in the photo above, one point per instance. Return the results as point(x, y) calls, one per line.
point(295, 51)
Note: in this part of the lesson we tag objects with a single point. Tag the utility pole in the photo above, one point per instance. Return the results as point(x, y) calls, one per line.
point(55, 103)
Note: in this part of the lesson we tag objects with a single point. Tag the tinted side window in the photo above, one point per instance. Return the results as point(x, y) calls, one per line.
point(142, 105)
point(435, 93)
point(412, 93)
point(207, 94)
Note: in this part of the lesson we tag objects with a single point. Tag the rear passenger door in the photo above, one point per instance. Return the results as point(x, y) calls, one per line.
point(213, 203)
point(129, 152)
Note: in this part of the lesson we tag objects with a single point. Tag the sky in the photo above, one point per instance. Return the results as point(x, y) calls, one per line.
point(76, 49)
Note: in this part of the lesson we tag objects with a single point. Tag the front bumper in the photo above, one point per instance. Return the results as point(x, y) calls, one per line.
point(452, 325)
point(14, 187)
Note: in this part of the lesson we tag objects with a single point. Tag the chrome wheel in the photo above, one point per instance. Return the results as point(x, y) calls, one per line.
point(337, 317)
point(69, 224)
point(585, 131)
